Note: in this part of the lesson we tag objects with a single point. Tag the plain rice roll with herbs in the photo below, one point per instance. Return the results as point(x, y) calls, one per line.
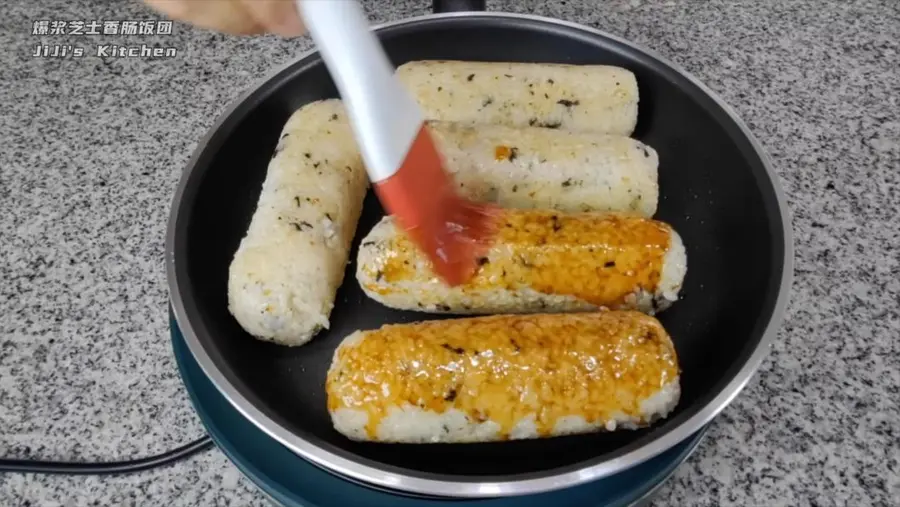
point(529, 167)
point(284, 276)
point(594, 98)
point(538, 261)
point(503, 377)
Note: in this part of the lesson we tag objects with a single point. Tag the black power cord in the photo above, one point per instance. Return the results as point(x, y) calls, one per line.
point(110, 468)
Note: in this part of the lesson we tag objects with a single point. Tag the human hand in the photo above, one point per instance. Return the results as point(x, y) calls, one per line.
point(241, 17)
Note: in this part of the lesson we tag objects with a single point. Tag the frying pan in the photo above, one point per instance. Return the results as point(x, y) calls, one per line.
point(717, 190)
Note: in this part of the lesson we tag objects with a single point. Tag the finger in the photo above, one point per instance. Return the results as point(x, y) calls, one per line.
point(228, 16)
point(277, 16)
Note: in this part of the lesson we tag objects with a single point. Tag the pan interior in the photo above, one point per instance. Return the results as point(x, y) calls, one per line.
point(714, 190)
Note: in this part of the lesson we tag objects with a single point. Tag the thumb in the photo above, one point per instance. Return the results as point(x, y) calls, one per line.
point(229, 16)
point(277, 16)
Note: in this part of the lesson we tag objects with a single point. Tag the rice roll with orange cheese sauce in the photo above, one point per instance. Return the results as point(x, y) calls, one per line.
point(504, 377)
point(539, 261)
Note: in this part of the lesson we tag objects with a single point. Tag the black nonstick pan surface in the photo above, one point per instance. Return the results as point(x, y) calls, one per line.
point(716, 190)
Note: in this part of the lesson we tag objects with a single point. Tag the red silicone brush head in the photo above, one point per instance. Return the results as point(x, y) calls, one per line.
point(421, 196)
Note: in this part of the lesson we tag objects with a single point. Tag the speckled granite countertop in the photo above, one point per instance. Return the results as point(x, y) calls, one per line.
point(91, 153)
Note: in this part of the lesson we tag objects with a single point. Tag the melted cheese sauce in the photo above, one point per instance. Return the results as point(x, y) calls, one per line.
point(597, 257)
point(506, 368)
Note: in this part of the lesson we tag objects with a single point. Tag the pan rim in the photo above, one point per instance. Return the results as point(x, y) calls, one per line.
point(383, 477)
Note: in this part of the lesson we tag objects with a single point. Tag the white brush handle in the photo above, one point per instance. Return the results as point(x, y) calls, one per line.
point(384, 117)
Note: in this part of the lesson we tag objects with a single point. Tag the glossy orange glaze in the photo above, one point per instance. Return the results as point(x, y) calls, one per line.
point(508, 367)
point(597, 257)
point(503, 152)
